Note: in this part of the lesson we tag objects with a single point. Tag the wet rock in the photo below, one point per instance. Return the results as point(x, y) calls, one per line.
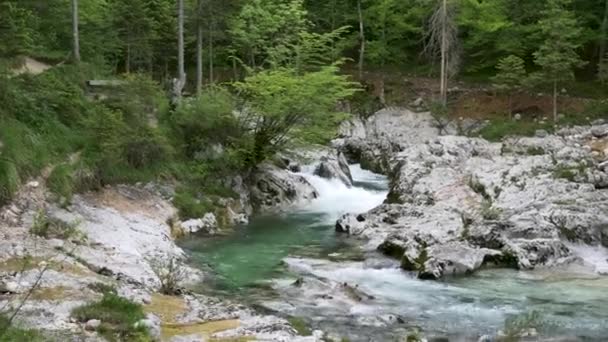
point(335, 168)
point(273, 188)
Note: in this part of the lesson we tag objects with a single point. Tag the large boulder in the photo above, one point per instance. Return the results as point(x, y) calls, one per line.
point(272, 187)
point(335, 168)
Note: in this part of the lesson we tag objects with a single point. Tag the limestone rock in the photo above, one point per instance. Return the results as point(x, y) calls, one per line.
point(207, 224)
point(335, 168)
point(92, 324)
point(273, 187)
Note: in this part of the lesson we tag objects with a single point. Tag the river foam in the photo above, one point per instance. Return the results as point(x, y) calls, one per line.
point(336, 198)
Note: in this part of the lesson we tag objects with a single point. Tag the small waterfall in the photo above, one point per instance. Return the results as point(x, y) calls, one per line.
point(335, 198)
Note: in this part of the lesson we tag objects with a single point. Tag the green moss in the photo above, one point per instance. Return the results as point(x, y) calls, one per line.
point(565, 173)
point(391, 249)
point(118, 317)
point(300, 325)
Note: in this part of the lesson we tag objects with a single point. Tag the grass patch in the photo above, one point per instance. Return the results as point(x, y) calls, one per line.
point(489, 212)
point(118, 317)
point(61, 183)
point(498, 129)
point(9, 180)
point(52, 228)
point(11, 333)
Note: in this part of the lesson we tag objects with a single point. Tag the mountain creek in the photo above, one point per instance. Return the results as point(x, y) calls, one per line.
point(293, 263)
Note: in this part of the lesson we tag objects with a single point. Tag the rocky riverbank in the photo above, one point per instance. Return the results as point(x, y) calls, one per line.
point(54, 259)
point(457, 203)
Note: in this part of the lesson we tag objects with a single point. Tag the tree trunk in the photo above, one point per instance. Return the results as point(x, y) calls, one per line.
point(510, 106)
point(128, 59)
point(199, 50)
point(361, 40)
point(444, 55)
point(604, 35)
point(181, 73)
point(75, 32)
point(555, 101)
point(211, 59)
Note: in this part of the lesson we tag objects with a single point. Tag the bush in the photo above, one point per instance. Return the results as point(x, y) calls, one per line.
point(206, 120)
point(170, 274)
point(189, 206)
point(118, 318)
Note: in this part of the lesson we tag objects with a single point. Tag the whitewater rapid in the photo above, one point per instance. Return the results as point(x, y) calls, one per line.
point(336, 198)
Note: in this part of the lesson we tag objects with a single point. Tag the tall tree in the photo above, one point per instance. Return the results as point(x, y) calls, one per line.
point(199, 47)
point(75, 33)
point(361, 39)
point(181, 72)
point(557, 55)
point(510, 76)
point(603, 36)
point(443, 41)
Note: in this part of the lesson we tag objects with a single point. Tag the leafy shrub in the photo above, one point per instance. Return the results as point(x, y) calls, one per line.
point(206, 120)
point(118, 318)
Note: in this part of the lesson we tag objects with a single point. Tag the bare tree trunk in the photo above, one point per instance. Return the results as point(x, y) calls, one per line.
point(604, 35)
point(181, 73)
point(199, 50)
point(75, 33)
point(211, 59)
point(128, 59)
point(444, 55)
point(361, 40)
point(555, 101)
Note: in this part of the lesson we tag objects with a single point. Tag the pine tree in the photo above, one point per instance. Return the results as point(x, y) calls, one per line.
point(557, 55)
point(511, 73)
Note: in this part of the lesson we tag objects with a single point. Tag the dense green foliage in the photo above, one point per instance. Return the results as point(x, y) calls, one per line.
point(281, 65)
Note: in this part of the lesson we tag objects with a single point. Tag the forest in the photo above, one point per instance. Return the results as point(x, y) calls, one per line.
point(142, 142)
point(293, 69)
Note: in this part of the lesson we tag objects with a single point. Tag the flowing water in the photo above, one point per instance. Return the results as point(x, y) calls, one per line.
point(259, 263)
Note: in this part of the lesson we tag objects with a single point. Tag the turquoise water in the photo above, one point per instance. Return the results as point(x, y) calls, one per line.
point(259, 263)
